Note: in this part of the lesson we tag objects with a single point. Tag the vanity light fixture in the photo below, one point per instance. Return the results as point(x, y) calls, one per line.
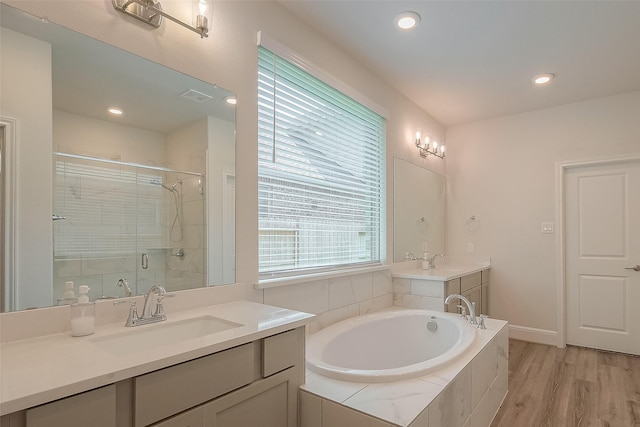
point(429, 147)
point(407, 20)
point(543, 79)
point(150, 12)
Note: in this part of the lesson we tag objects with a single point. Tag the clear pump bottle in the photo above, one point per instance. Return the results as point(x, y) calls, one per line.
point(83, 314)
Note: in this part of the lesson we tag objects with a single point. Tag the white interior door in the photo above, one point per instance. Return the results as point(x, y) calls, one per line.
point(602, 221)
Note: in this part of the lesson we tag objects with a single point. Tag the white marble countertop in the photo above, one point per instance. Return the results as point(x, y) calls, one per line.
point(51, 367)
point(443, 272)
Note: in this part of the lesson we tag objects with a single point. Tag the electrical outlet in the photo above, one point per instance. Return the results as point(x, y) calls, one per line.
point(547, 228)
point(470, 248)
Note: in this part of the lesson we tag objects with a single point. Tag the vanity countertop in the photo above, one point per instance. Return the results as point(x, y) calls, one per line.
point(51, 367)
point(443, 272)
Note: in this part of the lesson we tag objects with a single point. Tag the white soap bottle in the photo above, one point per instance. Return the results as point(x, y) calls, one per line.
point(83, 314)
point(425, 263)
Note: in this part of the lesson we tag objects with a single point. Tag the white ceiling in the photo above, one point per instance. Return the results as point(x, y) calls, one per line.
point(472, 60)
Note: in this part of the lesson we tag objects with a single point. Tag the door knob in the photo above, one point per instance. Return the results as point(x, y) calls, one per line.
point(636, 268)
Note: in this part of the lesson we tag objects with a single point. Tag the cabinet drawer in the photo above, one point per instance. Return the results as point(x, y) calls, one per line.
point(161, 394)
point(280, 352)
point(96, 407)
point(470, 281)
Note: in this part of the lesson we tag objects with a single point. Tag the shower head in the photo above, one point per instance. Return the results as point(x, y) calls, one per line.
point(171, 188)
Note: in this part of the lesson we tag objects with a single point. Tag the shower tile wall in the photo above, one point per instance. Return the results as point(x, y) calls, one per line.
point(188, 271)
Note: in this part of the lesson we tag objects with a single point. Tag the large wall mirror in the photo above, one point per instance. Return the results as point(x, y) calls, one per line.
point(115, 201)
point(418, 210)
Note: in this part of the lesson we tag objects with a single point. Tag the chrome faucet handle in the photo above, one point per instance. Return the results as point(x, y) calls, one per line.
point(133, 315)
point(481, 324)
point(160, 305)
point(473, 320)
point(464, 312)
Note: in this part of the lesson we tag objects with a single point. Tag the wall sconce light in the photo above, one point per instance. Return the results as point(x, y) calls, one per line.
point(427, 147)
point(150, 12)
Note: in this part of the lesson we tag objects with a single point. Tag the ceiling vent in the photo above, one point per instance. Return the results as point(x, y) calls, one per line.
point(195, 96)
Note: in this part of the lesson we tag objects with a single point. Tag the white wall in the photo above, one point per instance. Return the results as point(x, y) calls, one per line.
point(26, 97)
point(503, 171)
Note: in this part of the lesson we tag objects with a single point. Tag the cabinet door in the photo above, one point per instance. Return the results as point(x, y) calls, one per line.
point(96, 408)
point(475, 295)
point(485, 298)
point(192, 418)
point(453, 287)
point(271, 402)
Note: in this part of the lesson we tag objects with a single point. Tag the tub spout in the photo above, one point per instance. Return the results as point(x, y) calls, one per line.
point(470, 305)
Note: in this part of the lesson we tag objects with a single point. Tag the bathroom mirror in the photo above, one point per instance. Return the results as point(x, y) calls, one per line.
point(146, 196)
point(418, 210)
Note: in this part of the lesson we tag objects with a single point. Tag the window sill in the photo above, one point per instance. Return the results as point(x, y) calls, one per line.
point(293, 280)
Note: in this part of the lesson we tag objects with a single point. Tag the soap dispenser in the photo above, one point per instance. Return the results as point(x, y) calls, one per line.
point(69, 296)
point(425, 261)
point(83, 314)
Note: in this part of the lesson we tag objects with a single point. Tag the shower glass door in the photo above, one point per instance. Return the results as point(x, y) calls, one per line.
point(114, 220)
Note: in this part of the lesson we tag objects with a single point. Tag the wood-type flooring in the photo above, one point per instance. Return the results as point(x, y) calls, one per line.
point(570, 387)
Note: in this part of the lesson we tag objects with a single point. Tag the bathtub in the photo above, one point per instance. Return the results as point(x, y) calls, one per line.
point(388, 346)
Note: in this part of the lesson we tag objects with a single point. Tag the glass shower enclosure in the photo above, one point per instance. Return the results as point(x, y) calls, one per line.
point(121, 227)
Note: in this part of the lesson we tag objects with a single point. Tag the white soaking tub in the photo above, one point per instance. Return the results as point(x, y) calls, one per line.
point(389, 346)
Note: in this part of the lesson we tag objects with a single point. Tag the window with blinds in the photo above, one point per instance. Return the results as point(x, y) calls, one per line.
point(321, 166)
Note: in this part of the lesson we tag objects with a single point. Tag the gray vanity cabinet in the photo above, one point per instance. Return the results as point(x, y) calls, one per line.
point(475, 287)
point(253, 384)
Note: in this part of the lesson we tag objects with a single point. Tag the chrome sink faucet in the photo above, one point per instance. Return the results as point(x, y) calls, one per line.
point(432, 260)
point(471, 305)
point(147, 317)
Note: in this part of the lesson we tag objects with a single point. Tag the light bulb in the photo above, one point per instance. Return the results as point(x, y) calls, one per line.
point(202, 15)
point(435, 145)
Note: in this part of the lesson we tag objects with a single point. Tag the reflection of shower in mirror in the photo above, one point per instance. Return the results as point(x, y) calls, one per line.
point(176, 226)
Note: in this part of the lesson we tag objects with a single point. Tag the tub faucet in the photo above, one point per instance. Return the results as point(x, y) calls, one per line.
point(432, 260)
point(470, 305)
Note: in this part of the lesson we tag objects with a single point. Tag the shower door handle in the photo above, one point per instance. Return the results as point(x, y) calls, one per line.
point(145, 261)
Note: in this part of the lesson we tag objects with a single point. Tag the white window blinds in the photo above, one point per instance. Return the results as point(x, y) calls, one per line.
point(321, 163)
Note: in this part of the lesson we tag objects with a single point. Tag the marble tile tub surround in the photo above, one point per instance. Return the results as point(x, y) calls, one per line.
point(334, 299)
point(467, 393)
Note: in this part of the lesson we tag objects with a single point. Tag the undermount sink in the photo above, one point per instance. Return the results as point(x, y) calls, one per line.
point(148, 337)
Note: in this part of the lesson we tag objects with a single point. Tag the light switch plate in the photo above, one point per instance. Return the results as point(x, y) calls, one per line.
point(547, 228)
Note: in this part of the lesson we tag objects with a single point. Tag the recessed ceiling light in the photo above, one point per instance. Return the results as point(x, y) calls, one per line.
point(231, 100)
point(407, 20)
point(115, 111)
point(543, 79)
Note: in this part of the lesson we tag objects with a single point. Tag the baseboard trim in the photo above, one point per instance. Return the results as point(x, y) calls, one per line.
point(540, 336)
